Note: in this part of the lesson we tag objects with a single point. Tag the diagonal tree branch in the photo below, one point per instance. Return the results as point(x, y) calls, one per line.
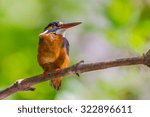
point(27, 83)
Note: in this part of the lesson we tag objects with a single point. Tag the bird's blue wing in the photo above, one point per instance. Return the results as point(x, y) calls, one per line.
point(65, 44)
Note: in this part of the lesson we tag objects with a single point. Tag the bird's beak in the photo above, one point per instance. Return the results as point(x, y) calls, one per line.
point(69, 25)
point(65, 25)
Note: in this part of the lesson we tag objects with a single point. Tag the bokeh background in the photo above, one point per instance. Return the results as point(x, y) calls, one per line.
point(111, 29)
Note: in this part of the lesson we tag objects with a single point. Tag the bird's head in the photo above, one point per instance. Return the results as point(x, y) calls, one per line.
point(58, 28)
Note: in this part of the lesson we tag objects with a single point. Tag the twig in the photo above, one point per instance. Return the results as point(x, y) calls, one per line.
point(27, 83)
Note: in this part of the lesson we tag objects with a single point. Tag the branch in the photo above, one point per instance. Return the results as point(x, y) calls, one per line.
point(27, 83)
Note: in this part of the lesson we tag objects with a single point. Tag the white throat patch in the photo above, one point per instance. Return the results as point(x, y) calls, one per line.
point(61, 32)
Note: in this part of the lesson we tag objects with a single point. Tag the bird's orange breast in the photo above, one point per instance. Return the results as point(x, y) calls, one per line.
point(51, 54)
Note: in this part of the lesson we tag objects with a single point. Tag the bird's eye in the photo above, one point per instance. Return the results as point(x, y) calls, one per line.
point(55, 25)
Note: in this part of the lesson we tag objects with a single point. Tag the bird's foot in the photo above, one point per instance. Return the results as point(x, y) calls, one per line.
point(43, 74)
point(56, 70)
point(77, 72)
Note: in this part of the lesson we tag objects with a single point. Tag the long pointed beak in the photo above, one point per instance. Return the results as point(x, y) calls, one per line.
point(65, 25)
point(69, 25)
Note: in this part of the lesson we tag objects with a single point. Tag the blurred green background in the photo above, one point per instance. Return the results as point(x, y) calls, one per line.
point(111, 29)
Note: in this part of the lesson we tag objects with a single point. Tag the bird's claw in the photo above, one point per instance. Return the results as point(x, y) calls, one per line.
point(57, 70)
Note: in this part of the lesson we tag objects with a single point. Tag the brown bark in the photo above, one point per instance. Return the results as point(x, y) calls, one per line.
point(27, 83)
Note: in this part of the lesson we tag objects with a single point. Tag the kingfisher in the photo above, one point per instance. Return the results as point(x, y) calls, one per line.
point(53, 49)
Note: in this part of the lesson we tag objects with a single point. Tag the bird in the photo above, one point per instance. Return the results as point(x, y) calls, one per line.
point(53, 49)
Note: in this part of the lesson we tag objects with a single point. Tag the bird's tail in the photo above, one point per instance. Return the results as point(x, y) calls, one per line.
point(56, 83)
